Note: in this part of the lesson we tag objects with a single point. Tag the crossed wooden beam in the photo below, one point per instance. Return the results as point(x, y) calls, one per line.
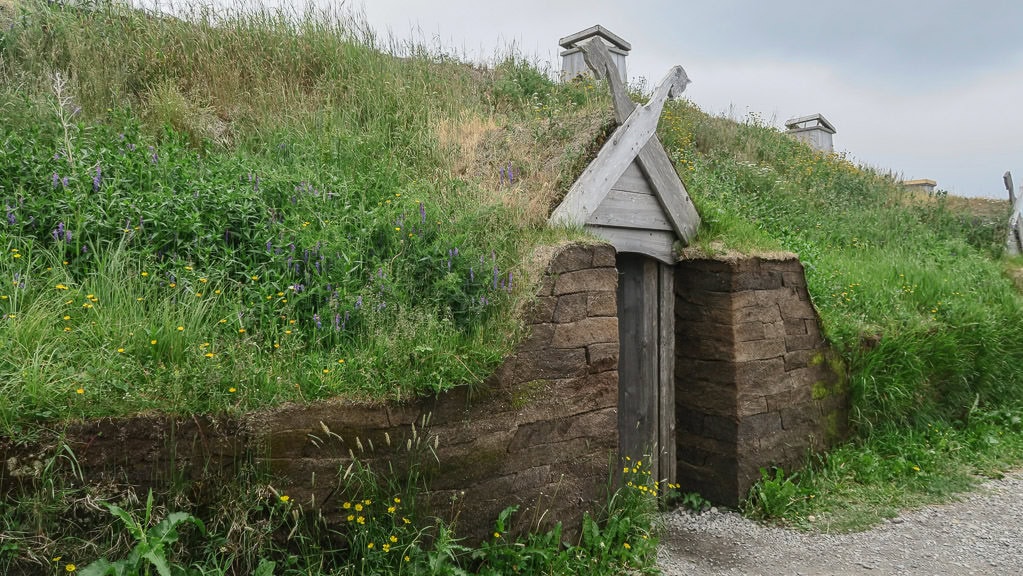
point(633, 140)
point(1014, 242)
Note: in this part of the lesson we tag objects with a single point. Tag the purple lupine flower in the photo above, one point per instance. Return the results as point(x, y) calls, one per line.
point(56, 180)
point(422, 213)
point(358, 302)
point(56, 155)
point(316, 320)
point(11, 218)
point(84, 248)
point(511, 174)
point(317, 264)
point(337, 322)
point(154, 157)
point(269, 246)
point(131, 147)
point(67, 237)
point(97, 179)
point(496, 272)
point(58, 232)
point(255, 185)
point(65, 181)
point(509, 281)
point(291, 246)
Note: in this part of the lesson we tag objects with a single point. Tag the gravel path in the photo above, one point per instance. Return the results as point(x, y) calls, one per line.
point(980, 534)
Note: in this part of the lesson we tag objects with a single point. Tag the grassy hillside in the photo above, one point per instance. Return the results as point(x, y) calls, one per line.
point(225, 212)
point(911, 293)
point(228, 213)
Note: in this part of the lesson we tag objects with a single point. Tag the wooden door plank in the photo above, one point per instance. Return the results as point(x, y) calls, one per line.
point(666, 378)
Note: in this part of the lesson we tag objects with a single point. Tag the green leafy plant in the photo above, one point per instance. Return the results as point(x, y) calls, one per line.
point(773, 496)
point(153, 544)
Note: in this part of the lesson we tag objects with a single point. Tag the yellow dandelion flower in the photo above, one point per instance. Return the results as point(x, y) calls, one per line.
point(341, 361)
point(223, 320)
point(287, 331)
point(153, 342)
point(181, 328)
point(209, 354)
point(497, 534)
point(120, 350)
point(393, 539)
point(232, 390)
point(326, 370)
point(346, 505)
point(361, 520)
point(350, 517)
point(188, 267)
point(139, 299)
point(358, 507)
point(407, 559)
point(405, 520)
point(67, 328)
point(80, 391)
point(173, 285)
point(367, 502)
point(285, 498)
point(241, 330)
point(198, 294)
point(70, 567)
point(386, 547)
point(370, 545)
point(627, 546)
point(396, 500)
point(391, 509)
point(216, 291)
point(254, 278)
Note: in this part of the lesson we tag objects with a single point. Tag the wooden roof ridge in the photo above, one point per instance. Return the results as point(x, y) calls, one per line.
point(634, 145)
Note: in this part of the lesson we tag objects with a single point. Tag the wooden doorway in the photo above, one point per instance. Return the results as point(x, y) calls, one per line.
point(646, 365)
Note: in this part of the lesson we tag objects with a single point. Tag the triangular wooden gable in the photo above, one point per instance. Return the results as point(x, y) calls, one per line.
point(630, 195)
point(632, 219)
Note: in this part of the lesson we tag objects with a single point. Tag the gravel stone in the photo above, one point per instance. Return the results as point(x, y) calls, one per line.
point(981, 533)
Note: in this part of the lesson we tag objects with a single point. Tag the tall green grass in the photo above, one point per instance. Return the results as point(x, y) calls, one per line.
point(912, 296)
point(237, 209)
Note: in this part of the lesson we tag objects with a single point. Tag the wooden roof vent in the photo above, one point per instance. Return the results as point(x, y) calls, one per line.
point(814, 129)
point(572, 62)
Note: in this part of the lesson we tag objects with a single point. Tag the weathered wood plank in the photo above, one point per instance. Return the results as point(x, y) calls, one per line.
point(638, 366)
point(1007, 178)
point(668, 461)
point(653, 160)
point(654, 243)
point(630, 210)
point(1014, 239)
point(633, 180)
point(617, 153)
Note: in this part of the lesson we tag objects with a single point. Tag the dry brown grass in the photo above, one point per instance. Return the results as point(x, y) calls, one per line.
point(545, 155)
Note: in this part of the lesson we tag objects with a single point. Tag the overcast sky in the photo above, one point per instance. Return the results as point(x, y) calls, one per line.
point(926, 88)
